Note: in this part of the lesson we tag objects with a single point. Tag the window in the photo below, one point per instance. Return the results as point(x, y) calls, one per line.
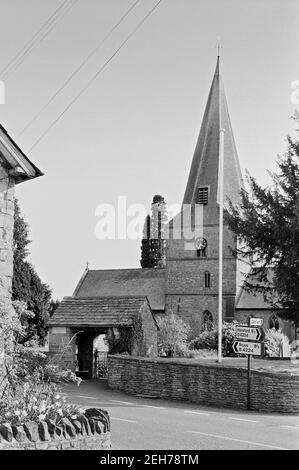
point(203, 195)
point(207, 280)
point(202, 253)
point(274, 322)
point(207, 321)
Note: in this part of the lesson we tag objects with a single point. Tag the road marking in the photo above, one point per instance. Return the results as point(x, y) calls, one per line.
point(152, 406)
point(84, 396)
point(296, 426)
point(122, 402)
point(243, 419)
point(237, 440)
point(197, 413)
point(126, 420)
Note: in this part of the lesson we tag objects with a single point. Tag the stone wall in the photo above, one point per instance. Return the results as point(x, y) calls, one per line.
point(205, 384)
point(186, 294)
point(62, 345)
point(145, 333)
point(6, 245)
point(90, 431)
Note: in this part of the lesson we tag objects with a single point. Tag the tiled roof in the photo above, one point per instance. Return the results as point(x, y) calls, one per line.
point(99, 312)
point(124, 282)
point(17, 158)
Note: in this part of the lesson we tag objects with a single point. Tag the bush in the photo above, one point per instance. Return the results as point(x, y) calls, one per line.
point(37, 402)
point(277, 343)
point(209, 339)
point(172, 336)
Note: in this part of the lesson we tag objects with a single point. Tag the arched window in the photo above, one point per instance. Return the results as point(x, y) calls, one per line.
point(274, 322)
point(202, 253)
point(207, 280)
point(207, 321)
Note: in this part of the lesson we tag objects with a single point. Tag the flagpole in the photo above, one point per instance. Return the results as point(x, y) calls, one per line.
point(221, 154)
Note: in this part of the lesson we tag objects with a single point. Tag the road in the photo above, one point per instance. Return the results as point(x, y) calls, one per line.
point(154, 424)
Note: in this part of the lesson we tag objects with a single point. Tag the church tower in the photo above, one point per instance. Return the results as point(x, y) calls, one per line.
point(192, 268)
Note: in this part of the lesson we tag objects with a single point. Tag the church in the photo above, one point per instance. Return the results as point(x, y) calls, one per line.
point(188, 284)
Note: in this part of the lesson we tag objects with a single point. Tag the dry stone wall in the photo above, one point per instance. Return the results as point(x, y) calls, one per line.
point(90, 431)
point(214, 385)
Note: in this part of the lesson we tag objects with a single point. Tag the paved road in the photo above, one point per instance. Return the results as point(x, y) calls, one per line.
point(150, 424)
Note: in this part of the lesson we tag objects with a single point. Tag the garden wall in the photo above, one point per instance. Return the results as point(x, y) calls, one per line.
point(205, 384)
point(90, 431)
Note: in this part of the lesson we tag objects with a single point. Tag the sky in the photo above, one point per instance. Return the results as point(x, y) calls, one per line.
point(134, 130)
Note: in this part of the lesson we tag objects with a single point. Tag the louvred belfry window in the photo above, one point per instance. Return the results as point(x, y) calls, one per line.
point(203, 195)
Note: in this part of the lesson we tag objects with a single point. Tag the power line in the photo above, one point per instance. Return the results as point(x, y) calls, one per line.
point(77, 70)
point(95, 76)
point(38, 37)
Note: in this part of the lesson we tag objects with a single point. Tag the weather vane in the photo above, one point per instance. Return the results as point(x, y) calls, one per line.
point(219, 47)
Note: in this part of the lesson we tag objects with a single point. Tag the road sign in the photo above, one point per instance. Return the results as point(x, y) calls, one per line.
point(248, 333)
point(256, 321)
point(244, 347)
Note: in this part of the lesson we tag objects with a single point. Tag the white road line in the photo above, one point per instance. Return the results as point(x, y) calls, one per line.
point(197, 413)
point(152, 406)
point(243, 419)
point(122, 402)
point(126, 420)
point(289, 426)
point(83, 396)
point(237, 440)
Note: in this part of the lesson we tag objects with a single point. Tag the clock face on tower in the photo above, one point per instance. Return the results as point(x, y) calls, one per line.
point(200, 243)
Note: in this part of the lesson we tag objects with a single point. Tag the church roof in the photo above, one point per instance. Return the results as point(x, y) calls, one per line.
point(124, 282)
point(255, 300)
point(22, 169)
point(97, 312)
point(205, 163)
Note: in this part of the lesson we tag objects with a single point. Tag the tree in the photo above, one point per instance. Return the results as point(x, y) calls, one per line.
point(172, 335)
point(153, 245)
point(267, 224)
point(26, 284)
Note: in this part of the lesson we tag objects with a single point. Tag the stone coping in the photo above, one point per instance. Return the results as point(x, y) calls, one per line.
point(92, 423)
point(286, 368)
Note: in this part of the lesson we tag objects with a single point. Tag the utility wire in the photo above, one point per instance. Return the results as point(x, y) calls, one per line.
point(39, 36)
point(95, 76)
point(77, 70)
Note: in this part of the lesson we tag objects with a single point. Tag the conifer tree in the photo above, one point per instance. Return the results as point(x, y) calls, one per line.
point(267, 224)
point(26, 284)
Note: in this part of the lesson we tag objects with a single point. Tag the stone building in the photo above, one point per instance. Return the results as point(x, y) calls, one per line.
point(188, 285)
point(15, 168)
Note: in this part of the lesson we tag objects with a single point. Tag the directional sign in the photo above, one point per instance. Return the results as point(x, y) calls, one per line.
point(256, 321)
point(248, 333)
point(244, 347)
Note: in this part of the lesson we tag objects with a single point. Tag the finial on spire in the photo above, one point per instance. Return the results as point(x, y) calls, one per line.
point(219, 47)
point(87, 265)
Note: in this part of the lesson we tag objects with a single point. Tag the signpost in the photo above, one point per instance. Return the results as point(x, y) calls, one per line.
point(246, 347)
point(251, 345)
point(249, 334)
point(256, 322)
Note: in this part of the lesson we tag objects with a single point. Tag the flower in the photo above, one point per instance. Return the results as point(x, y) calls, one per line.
point(74, 416)
point(41, 417)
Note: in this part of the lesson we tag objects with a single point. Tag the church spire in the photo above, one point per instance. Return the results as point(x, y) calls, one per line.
point(205, 163)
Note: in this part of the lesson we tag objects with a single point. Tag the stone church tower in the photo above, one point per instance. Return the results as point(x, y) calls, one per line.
point(192, 268)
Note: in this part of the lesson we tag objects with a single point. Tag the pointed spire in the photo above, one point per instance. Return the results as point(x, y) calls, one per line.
point(205, 163)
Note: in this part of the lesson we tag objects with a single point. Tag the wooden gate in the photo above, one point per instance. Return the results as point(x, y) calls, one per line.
point(100, 369)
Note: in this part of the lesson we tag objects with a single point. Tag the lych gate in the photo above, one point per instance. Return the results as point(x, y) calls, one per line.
point(78, 322)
